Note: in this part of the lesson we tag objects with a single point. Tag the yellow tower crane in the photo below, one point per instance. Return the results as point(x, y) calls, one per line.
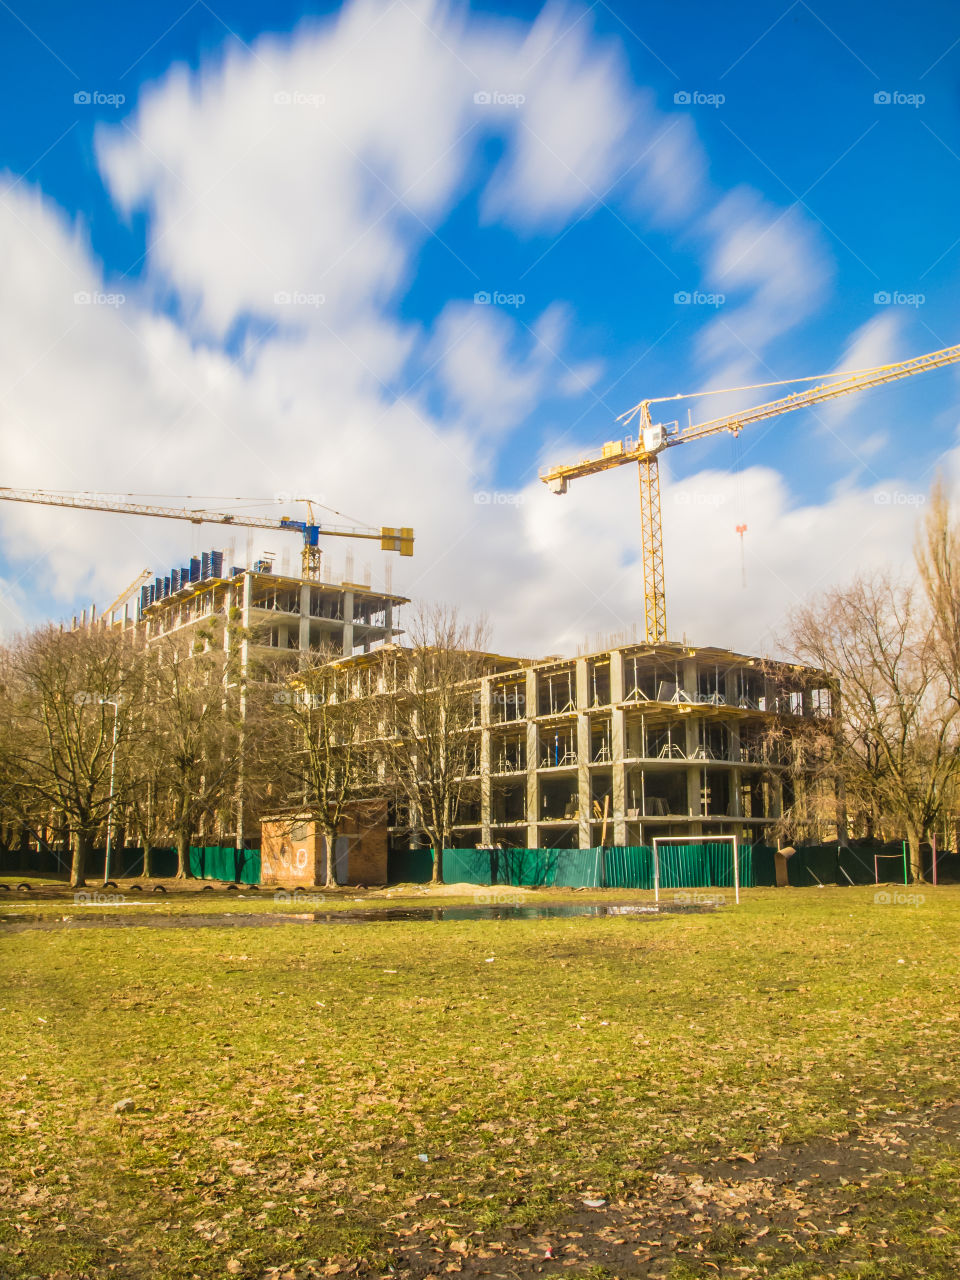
point(653, 437)
point(143, 576)
point(390, 539)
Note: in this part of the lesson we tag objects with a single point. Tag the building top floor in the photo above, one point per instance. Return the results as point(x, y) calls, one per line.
point(666, 678)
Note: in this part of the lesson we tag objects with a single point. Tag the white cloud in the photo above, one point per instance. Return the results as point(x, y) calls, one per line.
point(249, 197)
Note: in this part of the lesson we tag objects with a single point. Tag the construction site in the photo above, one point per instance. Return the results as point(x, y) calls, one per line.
point(637, 740)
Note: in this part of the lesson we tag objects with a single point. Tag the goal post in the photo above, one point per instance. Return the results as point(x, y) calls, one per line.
point(899, 856)
point(662, 842)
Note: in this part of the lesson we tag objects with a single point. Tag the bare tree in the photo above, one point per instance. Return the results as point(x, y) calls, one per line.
point(898, 731)
point(317, 735)
point(938, 563)
point(195, 742)
point(430, 711)
point(73, 701)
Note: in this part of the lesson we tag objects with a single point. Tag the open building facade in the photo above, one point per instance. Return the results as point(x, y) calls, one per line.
point(628, 744)
point(632, 742)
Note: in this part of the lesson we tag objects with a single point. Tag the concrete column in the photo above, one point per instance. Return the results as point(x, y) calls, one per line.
point(584, 799)
point(486, 785)
point(582, 684)
point(347, 633)
point(688, 678)
point(305, 619)
point(694, 799)
point(246, 603)
point(618, 749)
point(770, 695)
point(619, 798)
point(388, 621)
point(692, 731)
point(533, 761)
point(736, 808)
point(731, 690)
point(691, 743)
point(616, 676)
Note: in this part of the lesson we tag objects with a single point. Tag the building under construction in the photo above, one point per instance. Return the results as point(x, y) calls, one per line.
point(626, 744)
point(277, 614)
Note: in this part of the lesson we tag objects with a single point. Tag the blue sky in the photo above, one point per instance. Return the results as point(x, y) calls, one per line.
point(585, 165)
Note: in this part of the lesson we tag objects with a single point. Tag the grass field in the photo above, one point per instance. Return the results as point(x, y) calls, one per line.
point(757, 1091)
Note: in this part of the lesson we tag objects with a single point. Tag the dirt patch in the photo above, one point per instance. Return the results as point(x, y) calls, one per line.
point(741, 1216)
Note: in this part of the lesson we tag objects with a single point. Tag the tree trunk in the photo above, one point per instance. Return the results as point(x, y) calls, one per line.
point(183, 856)
point(81, 849)
point(330, 871)
point(916, 858)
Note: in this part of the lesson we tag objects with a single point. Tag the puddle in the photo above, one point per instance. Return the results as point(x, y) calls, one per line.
point(374, 915)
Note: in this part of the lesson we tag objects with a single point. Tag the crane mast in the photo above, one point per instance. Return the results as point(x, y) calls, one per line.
point(653, 437)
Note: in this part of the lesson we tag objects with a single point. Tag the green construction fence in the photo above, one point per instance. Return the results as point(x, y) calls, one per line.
point(224, 862)
point(627, 867)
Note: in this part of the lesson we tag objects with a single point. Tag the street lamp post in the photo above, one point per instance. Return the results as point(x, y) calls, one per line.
point(113, 765)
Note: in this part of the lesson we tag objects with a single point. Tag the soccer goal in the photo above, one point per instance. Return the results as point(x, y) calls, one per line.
point(898, 857)
point(684, 862)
